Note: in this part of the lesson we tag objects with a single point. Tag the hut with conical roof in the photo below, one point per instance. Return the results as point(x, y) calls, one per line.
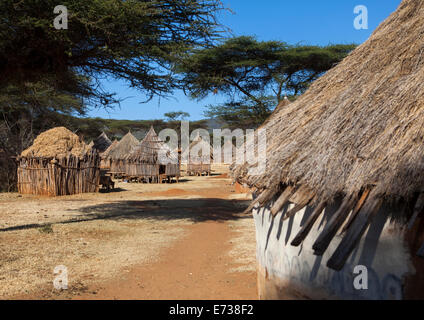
point(200, 157)
point(58, 163)
point(339, 208)
point(105, 161)
point(102, 142)
point(152, 160)
point(118, 154)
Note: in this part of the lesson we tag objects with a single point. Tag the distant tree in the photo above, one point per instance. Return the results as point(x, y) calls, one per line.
point(247, 70)
point(244, 113)
point(176, 115)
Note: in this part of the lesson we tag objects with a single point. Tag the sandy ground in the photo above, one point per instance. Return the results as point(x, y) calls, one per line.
point(143, 241)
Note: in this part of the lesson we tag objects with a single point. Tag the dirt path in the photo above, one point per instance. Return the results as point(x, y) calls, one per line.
point(196, 267)
point(177, 241)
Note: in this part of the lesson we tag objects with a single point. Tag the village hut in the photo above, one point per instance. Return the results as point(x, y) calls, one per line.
point(152, 160)
point(342, 195)
point(200, 157)
point(105, 161)
point(58, 163)
point(102, 142)
point(118, 154)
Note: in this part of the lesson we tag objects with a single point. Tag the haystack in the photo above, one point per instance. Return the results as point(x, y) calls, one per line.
point(58, 163)
point(354, 140)
point(153, 159)
point(56, 143)
point(118, 154)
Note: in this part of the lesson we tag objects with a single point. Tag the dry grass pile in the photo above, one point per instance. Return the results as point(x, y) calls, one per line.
point(56, 143)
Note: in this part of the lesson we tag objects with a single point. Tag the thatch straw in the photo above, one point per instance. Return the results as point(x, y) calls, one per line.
point(106, 153)
point(102, 142)
point(58, 163)
point(150, 155)
point(361, 123)
point(152, 150)
point(124, 147)
point(357, 132)
point(56, 143)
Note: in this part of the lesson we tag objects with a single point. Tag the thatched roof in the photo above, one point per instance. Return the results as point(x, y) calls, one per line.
point(152, 150)
point(123, 147)
point(106, 153)
point(357, 132)
point(58, 142)
point(102, 142)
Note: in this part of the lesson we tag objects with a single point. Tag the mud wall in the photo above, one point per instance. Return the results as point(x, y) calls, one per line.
point(285, 271)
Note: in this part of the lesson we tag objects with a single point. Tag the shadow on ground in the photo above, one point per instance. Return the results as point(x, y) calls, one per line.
point(101, 190)
point(196, 210)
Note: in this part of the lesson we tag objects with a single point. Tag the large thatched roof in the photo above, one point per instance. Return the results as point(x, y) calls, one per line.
point(58, 142)
point(357, 132)
point(123, 147)
point(102, 142)
point(152, 150)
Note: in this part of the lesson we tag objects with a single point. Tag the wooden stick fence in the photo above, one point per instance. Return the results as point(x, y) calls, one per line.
point(57, 177)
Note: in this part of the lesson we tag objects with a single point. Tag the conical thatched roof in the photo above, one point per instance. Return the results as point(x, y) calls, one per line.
point(152, 150)
point(58, 142)
point(357, 132)
point(102, 142)
point(124, 147)
point(106, 153)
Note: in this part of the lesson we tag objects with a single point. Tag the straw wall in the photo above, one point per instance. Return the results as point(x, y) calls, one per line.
point(64, 176)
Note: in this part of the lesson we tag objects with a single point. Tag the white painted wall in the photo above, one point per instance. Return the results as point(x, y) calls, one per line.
point(382, 250)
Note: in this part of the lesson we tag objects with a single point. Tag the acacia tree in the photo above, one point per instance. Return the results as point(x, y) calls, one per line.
point(254, 75)
point(134, 40)
point(175, 115)
point(46, 73)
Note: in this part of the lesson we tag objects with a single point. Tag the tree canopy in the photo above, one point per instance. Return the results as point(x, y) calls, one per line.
point(134, 40)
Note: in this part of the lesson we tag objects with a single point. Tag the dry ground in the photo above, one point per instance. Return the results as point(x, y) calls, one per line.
point(143, 241)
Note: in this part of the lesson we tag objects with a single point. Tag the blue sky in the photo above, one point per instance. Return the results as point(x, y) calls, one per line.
point(300, 21)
